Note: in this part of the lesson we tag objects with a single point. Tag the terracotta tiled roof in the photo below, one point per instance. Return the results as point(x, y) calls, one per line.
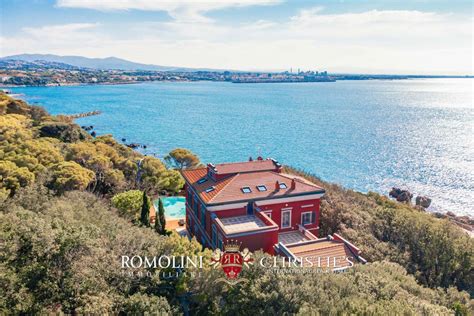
point(318, 251)
point(230, 188)
point(193, 176)
point(247, 166)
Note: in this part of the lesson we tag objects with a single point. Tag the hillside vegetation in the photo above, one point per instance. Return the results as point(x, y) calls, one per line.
point(61, 240)
point(34, 144)
point(437, 252)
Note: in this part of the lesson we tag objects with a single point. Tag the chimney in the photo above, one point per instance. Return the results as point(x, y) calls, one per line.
point(277, 186)
point(211, 170)
point(293, 184)
point(210, 166)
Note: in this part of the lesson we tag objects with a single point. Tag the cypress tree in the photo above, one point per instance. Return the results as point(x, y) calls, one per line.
point(161, 217)
point(158, 227)
point(145, 215)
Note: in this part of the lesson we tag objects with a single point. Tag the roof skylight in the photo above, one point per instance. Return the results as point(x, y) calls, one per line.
point(261, 188)
point(202, 180)
point(210, 189)
point(283, 185)
point(246, 190)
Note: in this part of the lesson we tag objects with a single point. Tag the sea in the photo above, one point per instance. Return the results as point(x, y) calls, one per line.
point(367, 135)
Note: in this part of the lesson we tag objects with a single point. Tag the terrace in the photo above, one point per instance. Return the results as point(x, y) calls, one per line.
point(245, 223)
point(297, 236)
point(292, 237)
point(330, 252)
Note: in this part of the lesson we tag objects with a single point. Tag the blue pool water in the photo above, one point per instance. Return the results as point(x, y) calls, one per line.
point(365, 135)
point(175, 206)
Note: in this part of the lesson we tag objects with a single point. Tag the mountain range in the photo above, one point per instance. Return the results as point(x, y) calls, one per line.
point(95, 63)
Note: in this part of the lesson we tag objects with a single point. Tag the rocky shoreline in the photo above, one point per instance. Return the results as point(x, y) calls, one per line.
point(465, 222)
point(423, 202)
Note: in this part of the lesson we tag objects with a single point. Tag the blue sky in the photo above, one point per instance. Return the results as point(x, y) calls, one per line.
point(339, 36)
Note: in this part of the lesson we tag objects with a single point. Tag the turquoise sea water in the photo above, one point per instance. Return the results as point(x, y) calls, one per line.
point(174, 206)
point(365, 135)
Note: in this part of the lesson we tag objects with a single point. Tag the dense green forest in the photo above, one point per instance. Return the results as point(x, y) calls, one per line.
point(64, 227)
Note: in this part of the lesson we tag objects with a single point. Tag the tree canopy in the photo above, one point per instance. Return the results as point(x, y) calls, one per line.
point(33, 143)
point(129, 203)
point(68, 175)
point(181, 158)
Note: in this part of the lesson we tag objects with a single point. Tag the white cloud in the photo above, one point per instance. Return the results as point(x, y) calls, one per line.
point(156, 5)
point(58, 31)
point(188, 10)
point(371, 41)
point(52, 38)
point(313, 15)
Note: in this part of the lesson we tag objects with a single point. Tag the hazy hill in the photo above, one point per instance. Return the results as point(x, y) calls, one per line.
point(96, 63)
point(15, 64)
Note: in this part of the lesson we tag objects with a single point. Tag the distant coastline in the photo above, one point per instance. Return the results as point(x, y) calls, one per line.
point(238, 81)
point(20, 73)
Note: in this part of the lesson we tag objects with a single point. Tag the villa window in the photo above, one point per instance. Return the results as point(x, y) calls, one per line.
point(203, 216)
point(246, 190)
point(214, 236)
point(285, 219)
point(261, 188)
point(307, 218)
point(196, 207)
point(188, 198)
point(283, 185)
point(220, 243)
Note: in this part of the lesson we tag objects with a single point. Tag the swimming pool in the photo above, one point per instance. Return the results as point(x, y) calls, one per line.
point(175, 206)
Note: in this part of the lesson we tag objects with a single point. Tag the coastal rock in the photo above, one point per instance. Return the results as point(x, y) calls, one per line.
point(423, 201)
point(395, 192)
point(464, 221)
point(461, 219)
point(401, 195)
point(133, 145)
point(405, 197)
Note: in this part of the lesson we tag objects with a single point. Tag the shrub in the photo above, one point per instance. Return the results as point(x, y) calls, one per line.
point(436, 251)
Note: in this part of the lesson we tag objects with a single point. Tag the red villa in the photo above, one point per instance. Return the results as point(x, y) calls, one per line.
point(257, 204)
